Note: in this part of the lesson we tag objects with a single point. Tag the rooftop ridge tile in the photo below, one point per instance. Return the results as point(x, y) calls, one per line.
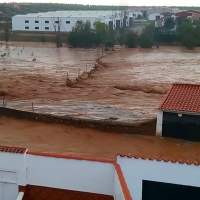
point(12, 149)
point(159, 158)
point(122, 181)
point(69, 156)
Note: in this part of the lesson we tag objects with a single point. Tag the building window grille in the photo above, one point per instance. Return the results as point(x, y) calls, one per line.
point(67, 22)
point(26, 21)
point(37, 28)
point(26, 27)
point(36, 21)
point(46, 22)
point(46, 28)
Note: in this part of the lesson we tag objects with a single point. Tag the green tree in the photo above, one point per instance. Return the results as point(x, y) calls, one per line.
point(169, 24)
point(6, 27)
point(100, 31)
point(197, 34)
point(81, 35)
point(146, 38)
point(43, 38)
point(139, 17)
point(184, 29)
point(87, 35)
point(189, 41)
point(131, 39)
point(121, 36)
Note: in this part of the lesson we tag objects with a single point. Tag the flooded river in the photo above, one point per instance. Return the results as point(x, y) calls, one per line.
point(127, 86)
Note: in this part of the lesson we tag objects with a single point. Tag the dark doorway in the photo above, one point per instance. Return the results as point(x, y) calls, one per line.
point(181, 126)
point(165, 191)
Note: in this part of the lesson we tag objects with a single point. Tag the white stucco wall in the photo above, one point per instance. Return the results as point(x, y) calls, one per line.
point(136, 170)
point(152, 17)
point(79, 175)
point(14, 162)
point(159, 123)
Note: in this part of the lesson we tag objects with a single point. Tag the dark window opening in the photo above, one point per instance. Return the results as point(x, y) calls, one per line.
point(46, 22)
point(56, 22)
point(36, 21)
point(36, 27)
point(46, 28)
point(26, 21)
point(152, 190)
point(26, 27)
point(67, 22)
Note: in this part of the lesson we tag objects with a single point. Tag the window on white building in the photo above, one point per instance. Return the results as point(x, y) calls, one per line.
point(26, 27)
point(36, 21)
point(26, 21)
point(67, 22)
point(46, 22)
point(56, 22)
point(36, 27)
point(46, 28)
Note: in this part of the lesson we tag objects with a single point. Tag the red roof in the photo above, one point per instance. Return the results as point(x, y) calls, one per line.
point(182, 97)
point(195, 11)
point(12, 149)
point(183, 14)
point(158, 158)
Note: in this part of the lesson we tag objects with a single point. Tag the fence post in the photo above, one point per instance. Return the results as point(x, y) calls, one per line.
point(32, 107)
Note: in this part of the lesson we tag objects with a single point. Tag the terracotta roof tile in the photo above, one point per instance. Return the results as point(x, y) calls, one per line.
point(68, 156)
point(182, 97)
point(122, 181)
point(157, 158)
point(11, 149)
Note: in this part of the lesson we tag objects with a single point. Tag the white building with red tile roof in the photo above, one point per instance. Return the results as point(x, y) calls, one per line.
point(179, 113)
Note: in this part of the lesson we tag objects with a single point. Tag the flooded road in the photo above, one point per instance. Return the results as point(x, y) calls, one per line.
point(127, 85)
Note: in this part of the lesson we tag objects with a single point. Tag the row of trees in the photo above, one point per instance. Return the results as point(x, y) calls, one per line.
point(187, 34)
point(83, 35)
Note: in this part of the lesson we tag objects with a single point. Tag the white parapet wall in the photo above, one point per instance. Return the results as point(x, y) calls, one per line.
point(71, 174)
point(137, 170)
point(159, 123)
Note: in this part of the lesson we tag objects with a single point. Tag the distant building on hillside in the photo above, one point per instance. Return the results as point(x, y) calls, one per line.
point(162, 10)
point(184, 14)
point(195, 14)
point(46, 22)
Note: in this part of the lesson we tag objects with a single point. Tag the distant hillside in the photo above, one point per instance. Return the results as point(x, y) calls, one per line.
point(44, 7)
point(14, 8)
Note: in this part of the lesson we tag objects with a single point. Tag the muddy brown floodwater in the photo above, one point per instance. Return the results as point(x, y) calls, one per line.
point(127, 85)
point(56, 138)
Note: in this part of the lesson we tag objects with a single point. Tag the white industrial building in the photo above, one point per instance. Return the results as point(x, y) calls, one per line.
point(67, 19)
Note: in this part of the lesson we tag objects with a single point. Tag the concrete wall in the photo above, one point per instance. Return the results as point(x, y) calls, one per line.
point(79, 175)
point(159, 123)
point(136, 170)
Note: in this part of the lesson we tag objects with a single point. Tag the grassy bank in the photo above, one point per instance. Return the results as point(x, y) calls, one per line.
point(33, 37)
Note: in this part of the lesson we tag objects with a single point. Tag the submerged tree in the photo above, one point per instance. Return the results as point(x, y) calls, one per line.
point(57, 26)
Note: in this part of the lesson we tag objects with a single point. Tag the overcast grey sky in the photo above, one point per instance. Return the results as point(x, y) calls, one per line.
point(120, 2)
